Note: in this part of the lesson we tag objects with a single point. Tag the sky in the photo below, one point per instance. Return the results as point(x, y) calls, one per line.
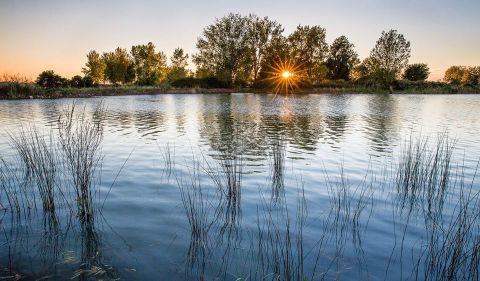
point(47, 34)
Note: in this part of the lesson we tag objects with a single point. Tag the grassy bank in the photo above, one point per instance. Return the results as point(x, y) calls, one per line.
point(15, 90)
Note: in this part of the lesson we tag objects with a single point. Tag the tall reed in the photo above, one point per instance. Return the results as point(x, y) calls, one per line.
point(80, 141)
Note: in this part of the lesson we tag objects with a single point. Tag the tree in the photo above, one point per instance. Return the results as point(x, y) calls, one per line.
point(341, 59)
point(150, 67)
point(77, 82)
point(178, 68)
point(389, 56)
point(223, 49)
point(95, 67)
point(416, 72)
point(468, 75)
point(48, 79)
point(119, 67)
point(471, 76)
point(308, 48)
point(262, 32)
point(455, 74)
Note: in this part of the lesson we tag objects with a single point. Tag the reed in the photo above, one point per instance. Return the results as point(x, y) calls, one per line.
point(80, 142)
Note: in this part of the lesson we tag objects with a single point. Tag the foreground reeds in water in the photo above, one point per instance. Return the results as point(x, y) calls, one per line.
point(48, 162)
point(425, 178)
point(283, 240)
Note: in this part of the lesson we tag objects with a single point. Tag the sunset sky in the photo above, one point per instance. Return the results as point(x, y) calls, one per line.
point(39, 35)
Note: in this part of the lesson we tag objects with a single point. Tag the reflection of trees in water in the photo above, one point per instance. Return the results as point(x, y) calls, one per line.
point(336, 120)
point(150, 122)
point(228, 131)
point(381, 123)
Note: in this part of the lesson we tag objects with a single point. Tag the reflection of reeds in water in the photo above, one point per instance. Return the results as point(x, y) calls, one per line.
point(277, 168)
point(280, 250)
point(423, 174)
point(13, 187)
point(451, 249)
point(197, 213)
point(168, 161)
point(80, 141)
point(347, 203)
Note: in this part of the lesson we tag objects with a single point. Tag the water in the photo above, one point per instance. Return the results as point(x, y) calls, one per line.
point(285, 159)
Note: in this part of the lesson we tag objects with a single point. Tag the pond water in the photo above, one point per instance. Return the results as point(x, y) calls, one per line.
point(249, 187)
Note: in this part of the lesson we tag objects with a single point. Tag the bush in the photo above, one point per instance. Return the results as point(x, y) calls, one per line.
point(416, 72)
point(48, 79)
point(206, 83)
point(78, 81)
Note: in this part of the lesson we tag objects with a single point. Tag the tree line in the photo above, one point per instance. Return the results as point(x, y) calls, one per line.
point(238, 50)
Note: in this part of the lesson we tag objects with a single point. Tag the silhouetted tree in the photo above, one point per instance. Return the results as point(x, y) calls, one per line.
point(95, 67)
point(389, 56)
point(308, 48)
point(150, 67)
point(262, 32)
point(48, 79)
point(119, 66)
point(416, 72)
point(341, 58)
point(76, 81)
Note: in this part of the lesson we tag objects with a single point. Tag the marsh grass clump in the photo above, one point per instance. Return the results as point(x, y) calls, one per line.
point(14, 189)
point(39, 156)
point(452, 246)
point(423, 173)
point(80, 142)
point(279, 247)
point(198, 213)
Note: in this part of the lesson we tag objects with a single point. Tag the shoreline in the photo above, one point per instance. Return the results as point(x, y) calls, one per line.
point(41, 93)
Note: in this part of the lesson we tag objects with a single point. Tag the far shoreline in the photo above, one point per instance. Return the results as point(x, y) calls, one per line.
point(59, 93)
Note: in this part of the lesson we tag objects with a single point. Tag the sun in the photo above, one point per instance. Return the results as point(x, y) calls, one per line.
point(286, 74)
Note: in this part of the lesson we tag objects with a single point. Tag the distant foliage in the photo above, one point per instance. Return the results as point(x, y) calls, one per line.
point(389, 57)
point(342, 58)
point(48, 79)
point(206, 83)
point(234, 48)
point(95, 67)
point(78, 81)
point(150, 66)
point(119, 67)
point(416, 72)
point(178, 68)
point(466, 75)
point(308, 48)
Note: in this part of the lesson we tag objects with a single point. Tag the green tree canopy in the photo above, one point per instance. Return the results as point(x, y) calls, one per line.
point(468, 75)
point(342, 58)
point(416, 72)
point(308, 48)
point(150, 67)
point(223, 48)
point(119, 67)
point(179, 63)
point(95, 67)
point(389, 56)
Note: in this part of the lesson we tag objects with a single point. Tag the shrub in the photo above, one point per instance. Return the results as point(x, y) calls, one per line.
point(48, 79)
point(416, 72)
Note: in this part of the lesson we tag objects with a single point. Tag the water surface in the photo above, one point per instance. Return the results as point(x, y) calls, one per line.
point(314, 177)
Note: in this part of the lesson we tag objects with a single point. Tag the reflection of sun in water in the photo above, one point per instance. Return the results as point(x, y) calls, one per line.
point(285, 76)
